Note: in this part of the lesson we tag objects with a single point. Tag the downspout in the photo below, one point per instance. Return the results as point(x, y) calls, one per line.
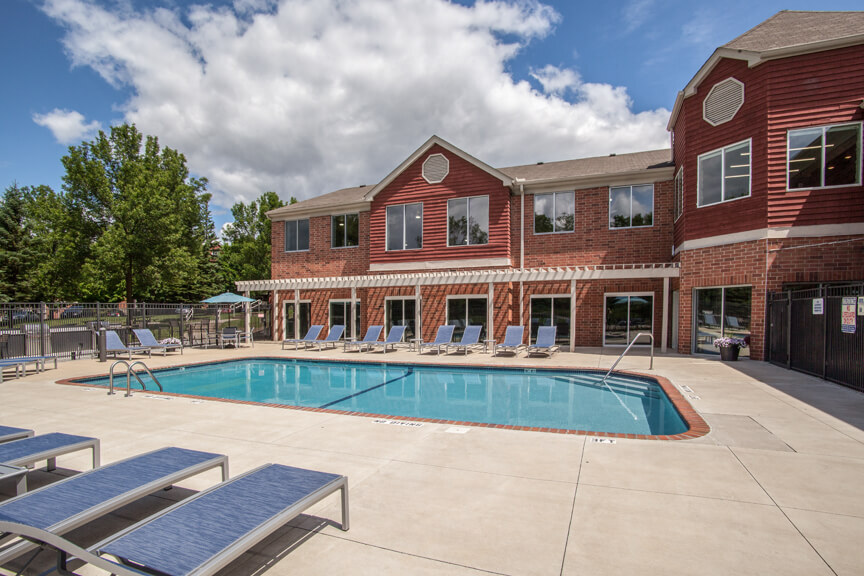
point(521, 252)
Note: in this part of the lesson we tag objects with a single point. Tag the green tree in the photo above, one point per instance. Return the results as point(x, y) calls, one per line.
point(134, 217)
point(246, 252)
point(15, 248)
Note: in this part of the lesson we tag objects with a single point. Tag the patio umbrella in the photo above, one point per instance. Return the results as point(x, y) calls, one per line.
point(227, 298)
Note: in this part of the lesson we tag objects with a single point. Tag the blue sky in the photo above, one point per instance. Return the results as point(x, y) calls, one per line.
point(304, 97)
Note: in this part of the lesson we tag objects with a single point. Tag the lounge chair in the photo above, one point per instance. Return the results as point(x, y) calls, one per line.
point(113, 345)
point(470, 339)
point(330, 341)
point(545, 342)
point(443, 337)
point(394, 337)
point(230, 335)
point(20, 364)
point(512, 340)
point(311, 336)
point(372, 334)
point(62, 506)
point(148, 340)
point(28, 451)
point(204, 533)
point(9, 433)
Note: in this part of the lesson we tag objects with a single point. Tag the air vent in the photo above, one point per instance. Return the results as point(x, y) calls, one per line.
point(435, 168)
point(723, 101)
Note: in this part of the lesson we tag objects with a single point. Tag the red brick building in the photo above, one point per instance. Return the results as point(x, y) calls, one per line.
point(762, 190)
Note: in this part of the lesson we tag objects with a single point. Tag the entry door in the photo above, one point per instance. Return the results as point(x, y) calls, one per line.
point(297, 322)
point(290, 321)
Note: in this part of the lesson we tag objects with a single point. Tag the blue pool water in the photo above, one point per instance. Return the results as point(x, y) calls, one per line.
point(572, 400)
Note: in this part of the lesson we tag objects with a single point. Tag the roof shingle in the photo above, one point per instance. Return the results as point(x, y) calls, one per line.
point(796, 28)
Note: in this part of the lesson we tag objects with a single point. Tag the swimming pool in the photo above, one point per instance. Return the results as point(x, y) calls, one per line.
point(509, 397)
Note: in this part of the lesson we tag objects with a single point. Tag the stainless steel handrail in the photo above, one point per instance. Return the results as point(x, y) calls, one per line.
point(129, 373)
point(651, 367)
point(111, 375)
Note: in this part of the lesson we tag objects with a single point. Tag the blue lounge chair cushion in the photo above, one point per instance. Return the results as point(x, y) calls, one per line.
point(443, 336)
point(195, 531)
point(8, 433)
point(22, 449)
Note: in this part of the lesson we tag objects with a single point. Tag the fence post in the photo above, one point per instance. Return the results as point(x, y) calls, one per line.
point(823, 292)
point(43, 318)
point(103, 354)
point(789, 329)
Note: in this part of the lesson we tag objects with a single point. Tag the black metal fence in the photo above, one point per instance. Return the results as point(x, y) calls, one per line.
point(70, 331)
point(819, 332)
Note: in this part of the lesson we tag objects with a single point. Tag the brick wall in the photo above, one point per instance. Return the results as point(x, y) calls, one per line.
point(320, 260)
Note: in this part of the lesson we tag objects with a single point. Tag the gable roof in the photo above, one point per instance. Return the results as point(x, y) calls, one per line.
point(349, 198)
point(787, 33)
point(584, 167)
point(435, 140)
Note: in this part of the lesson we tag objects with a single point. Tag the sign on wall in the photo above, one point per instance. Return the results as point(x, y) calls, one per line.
point(818, 306)
point(848, 311)
point(861, 306)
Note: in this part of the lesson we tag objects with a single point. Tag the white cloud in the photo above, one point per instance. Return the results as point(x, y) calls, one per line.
point(68, 126)
point(635, 13)
point(307, 96)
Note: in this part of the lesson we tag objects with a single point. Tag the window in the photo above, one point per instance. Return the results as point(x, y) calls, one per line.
point(626, 316)
point(296, 235)
point(721, 312)
point(724, 174)
point(468, 221)
point(631, 206)
point(466, 311)
point(551, 311)
point(824, 156)
point(401, 312)
point(345, 230)
point(340, 313)
point(554, 212)
point(405, 227)
point(679, 193)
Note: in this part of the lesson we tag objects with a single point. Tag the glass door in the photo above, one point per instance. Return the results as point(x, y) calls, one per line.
point(549, 311)
point(399, 312)
point(721, 312)
point(626, 316)
point(467, 311)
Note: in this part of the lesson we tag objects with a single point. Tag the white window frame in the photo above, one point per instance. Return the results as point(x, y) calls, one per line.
point(468, 216)
point(825, 129)
point(403, 298)
point(630, 295)
point(722, 153)
point(345, 231)
point(464, 297)
point(554, 219)
point(552, 296)
point(404, 222)
point(679, 194)
point(297, 303)
point(694, 321)
point(330, 313)
point(285, 232)
point(609, 211)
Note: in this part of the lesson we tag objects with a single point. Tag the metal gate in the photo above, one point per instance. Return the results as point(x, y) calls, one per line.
point(801, 338)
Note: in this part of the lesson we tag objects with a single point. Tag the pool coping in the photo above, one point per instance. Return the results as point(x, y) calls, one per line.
point(697, 427)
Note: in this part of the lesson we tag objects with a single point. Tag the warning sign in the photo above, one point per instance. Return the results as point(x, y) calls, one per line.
point(847, 314)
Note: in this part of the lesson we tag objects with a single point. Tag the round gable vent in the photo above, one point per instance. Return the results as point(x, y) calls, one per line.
point(723, 101)
point(435, 168)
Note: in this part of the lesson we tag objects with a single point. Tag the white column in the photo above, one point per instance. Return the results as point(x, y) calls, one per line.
point(248, 315)
point(572, 315)
point(296, 314)
point(490, 312)
point(418, 312)
point(275, 314)
point(665, 322)
point(353, 312)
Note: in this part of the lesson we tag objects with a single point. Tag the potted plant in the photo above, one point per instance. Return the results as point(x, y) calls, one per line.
point(729, 347)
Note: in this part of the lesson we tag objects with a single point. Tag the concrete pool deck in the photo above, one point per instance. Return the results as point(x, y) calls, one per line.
point(774, 488)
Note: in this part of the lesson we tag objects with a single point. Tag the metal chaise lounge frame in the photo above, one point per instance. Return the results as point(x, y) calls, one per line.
point(20, 364)
point(311, 335)
point(9, 433)
point(545, 342)
point(94, 493)
point(470, 339)
point(229, 335)
point(443, 337)
point(394, 337)
point(512, 340)
point(333, 336)
point(148, 340)
point(239, 513)
point(28, 451)
point(114, 345)
point(372, 335)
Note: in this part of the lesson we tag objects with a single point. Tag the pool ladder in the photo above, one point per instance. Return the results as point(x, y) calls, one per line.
point(130, 371)
point(650, 367)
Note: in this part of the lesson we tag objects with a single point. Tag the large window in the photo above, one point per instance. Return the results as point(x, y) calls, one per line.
point(554, 212)
point(679, 193)
point(724, 174)
point(401, 312)
point(345, 230)
point(296, 235)
point(626, 316)
point(551, 311)
point(721, 312)
point(340, 313)
point(631, 206)
point(824, 156)
point(466, 311)
point(405, 227)
point(468, 221)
